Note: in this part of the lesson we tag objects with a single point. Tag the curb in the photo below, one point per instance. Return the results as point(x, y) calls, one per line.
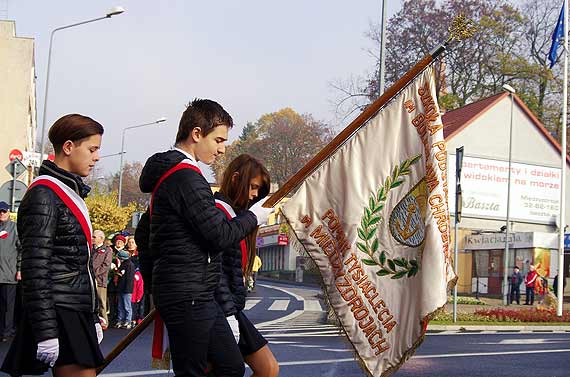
point(467, 328)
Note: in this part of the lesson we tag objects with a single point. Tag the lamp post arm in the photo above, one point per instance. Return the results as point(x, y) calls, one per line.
point(123, 154)
point(42, 138)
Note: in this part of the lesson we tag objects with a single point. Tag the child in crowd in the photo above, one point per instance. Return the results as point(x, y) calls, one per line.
point(137, 299)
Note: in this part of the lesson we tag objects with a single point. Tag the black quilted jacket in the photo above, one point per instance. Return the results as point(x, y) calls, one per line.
point(230, 293)
point(57, 270)
point(187, 233)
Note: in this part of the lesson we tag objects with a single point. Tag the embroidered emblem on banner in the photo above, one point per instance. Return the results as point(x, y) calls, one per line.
point(407, 219)
point(405, 223)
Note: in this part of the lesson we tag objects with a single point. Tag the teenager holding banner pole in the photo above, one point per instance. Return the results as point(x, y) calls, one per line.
point(60, 326)
point(186, 234)
point(244, 183)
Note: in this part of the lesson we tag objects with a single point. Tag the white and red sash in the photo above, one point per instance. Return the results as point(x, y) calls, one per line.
point(230, 213)
point(72, 200)
point(184, 164)
point(160, 353)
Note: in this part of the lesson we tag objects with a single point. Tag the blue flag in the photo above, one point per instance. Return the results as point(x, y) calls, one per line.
point(557, 35)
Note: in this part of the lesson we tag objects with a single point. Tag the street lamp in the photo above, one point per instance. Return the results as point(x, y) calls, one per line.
point(112, 154)
point(511, 91)
point(159, 120)
point(112, 12)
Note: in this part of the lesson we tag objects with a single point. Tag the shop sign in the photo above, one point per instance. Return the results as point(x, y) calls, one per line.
point(534, 194)
point(487, 241)
point(282, 239)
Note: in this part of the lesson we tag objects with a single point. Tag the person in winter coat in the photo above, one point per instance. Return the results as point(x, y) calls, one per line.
point(126, 273)
point(137, 299)
point(113, 295)
point(186, 234)
point(515, 281)
point(244, 182)
point(9, 271)
point(60, 326)
point(132, 249)
point(102, 257)
point(530, 283)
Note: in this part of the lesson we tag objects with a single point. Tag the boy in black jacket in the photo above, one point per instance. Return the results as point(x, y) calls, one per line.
point(180, 240)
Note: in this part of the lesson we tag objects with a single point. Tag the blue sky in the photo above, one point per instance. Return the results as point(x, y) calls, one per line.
point(254, 57)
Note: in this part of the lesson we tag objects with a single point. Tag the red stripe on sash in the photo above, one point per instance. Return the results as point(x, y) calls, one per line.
point(158, 338)
point(70, 204)
point(241, 243)
point(174, 169)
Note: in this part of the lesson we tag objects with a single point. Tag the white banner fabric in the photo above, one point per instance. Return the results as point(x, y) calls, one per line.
point(374, 218)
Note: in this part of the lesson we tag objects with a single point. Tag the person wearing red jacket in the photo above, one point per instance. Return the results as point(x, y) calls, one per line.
point(137, 301)
point(529, 282)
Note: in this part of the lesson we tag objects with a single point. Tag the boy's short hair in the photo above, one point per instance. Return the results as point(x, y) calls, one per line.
point(205, 114)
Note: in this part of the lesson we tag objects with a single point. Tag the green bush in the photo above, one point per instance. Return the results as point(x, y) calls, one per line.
point(465, 300)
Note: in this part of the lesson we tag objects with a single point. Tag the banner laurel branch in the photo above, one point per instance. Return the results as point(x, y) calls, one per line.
point(372, 218)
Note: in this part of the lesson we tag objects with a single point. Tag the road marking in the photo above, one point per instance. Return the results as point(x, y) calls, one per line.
point(298, 328)
point(279, 305)
point(305, 334)
point(136, 373)
point(337, 349)
point(297, 297)
point(313, 306)
point(288, 317)
point(492, 332)
point(250, 304)
point(487, 354)
point(526, 341)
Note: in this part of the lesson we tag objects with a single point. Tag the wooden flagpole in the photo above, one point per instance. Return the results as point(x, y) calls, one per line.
point(127, 340)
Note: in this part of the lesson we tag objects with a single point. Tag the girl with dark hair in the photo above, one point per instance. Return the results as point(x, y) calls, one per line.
point(60, 327)
point(245, 181)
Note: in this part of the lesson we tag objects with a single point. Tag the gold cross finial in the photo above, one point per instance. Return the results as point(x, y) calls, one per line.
point(461, 28)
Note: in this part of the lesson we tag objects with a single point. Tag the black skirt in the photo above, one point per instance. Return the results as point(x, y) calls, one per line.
point(77, 345)
point(250, 339)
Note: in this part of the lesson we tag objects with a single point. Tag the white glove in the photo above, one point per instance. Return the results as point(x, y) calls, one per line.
point(99, 331)
point(261, 213)
point(48, 351)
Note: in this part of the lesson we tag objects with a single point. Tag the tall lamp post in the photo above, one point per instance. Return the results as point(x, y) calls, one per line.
point(160, 120)
point(511, 92)
point(112, 12)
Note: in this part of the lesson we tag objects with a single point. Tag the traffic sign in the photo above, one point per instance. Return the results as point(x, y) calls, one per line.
point(16, 168)
point(6, 193)
point(16, 154)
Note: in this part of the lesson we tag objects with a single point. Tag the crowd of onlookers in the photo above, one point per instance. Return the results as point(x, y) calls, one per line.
point(120, 286)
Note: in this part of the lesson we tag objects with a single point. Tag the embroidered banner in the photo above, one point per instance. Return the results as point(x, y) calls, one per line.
point(374, 218)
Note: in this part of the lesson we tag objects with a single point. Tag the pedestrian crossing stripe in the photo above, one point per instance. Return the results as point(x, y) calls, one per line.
point(283, 304)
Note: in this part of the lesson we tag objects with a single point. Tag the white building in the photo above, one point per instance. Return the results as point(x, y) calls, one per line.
point(17, 98)
point(483, 129)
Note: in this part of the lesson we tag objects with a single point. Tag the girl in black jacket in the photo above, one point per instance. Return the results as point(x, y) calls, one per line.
point(60, 326)
point(244, 182)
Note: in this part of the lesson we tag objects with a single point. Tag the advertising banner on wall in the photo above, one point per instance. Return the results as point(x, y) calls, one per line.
point(535, 190)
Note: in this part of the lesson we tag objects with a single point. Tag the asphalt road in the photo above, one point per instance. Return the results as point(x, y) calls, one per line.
point(291, 318)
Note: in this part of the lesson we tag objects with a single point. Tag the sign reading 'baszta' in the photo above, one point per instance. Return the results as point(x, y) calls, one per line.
point(374, 218)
